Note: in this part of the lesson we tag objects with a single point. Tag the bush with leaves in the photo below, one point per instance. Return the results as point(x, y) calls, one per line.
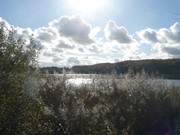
point(135, 105)
point(20, 114)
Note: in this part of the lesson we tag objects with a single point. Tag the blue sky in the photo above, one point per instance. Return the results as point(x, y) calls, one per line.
point(134, 14)
point(146, 27)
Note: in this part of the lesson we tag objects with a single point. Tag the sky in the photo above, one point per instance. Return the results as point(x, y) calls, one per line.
point(81, 32)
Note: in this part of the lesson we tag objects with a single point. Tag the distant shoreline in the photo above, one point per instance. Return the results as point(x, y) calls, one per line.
point(166, 68)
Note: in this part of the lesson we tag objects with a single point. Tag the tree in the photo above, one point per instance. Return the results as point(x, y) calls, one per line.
point(19, 113)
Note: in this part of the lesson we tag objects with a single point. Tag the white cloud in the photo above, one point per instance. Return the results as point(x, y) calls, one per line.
point(73, 61)
point(73, 28)
point(164, 40)
point(94, 49)
point(174, 51)
point(63, 45)
point(56, 59)
point(148, 35)
point(46, 34)
point(164, 35)
point(69, 41)
point(117, 33)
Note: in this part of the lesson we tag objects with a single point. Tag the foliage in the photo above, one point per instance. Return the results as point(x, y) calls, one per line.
point(19, 113)
point(135, 105)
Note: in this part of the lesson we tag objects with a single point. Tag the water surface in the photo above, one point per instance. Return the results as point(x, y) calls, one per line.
point(81, 79)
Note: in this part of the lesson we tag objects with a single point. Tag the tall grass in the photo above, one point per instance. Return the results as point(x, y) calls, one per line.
point(134, 105)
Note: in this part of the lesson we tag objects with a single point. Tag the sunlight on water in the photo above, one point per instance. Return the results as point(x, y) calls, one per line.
point(79, 81)
point(86, 81)
point(173, 82)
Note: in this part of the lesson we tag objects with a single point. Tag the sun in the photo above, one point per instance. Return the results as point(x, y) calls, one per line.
point(87, 6)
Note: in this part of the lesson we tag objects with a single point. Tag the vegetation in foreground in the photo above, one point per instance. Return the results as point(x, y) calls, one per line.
point(133, 106)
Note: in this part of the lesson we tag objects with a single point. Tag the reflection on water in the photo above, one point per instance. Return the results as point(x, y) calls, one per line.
point(79, 81)
point(171, 82)
point(83, 79)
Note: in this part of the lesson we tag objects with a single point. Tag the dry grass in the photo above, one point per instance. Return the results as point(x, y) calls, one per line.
point(134, 105)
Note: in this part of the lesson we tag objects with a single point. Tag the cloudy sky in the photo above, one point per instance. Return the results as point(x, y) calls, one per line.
point(81, 32)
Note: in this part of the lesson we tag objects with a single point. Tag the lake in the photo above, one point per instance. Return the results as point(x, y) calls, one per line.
point(173, 82)
point(80, 79)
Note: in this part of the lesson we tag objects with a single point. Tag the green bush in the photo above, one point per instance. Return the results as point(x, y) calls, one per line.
point(19, 113)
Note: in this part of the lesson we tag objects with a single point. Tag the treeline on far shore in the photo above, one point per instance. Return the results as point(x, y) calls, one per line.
point(168, 69)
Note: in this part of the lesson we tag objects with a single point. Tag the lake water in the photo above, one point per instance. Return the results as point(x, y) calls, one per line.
point(173, 82)
point(80, 79)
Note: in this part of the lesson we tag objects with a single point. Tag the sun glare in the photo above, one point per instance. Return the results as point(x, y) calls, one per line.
point(87, 6)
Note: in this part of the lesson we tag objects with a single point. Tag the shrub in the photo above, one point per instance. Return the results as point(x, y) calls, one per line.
point(135, 105)
point(19, 113)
